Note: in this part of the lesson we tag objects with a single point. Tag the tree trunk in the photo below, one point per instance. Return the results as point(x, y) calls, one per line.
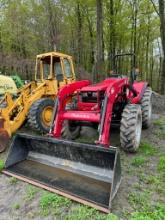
point(112, 43)
point(90, 28)
point(162, 32)
point(53, 30)
point(147, 49)
point(100, 46)
point(79, 33)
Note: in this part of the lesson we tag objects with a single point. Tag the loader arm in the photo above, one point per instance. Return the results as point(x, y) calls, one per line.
point(16, 111)
point(62, 97)
point(105, 121)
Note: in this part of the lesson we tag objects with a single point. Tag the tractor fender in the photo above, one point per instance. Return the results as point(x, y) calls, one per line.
point(140, 88)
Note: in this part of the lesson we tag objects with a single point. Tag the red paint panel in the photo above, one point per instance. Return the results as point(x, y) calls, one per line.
point(80, 116)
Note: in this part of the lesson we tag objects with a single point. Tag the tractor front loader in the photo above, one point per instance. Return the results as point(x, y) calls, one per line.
point(35, 100)
point(87, 173)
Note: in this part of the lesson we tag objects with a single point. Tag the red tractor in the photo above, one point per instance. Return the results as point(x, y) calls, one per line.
point(87, 173)
point(115, 100)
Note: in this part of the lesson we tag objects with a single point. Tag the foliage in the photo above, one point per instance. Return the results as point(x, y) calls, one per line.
point(16, 206)
point(70, 27)
point(156, 213)
point(139, 199)
point(161, 164)
point(13, 180)
point(160, 122)
point(31, 192)
point(1, 164)
point(85, 213)
point(147, 149)
point(50, 200)
point(138, 161)
point(161, 134)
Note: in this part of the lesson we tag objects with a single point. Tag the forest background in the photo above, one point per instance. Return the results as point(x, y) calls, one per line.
point(92, 31)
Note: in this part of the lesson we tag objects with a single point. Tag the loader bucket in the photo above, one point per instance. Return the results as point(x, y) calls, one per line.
point(86, 173)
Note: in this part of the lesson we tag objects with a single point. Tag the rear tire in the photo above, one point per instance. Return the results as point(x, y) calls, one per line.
point(146, 105)
point(39, 117)
point(70, 130)
point(130, 128)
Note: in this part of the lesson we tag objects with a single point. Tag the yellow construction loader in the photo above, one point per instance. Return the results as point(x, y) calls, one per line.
point(35, 101)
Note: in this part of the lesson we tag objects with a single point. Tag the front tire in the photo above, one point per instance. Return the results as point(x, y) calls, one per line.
point(70, 130)
point(146, 105)
point(39, 117)
point(130, 128)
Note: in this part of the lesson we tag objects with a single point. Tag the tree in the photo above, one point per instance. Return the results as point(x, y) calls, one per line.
point(161, 13)
point(162, 34)
point(92, 31)
point(99, 39)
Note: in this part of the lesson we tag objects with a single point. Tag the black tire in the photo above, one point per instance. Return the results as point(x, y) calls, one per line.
point(70, 130)
point(35, 117)
point(130, 127)
point(146, 106)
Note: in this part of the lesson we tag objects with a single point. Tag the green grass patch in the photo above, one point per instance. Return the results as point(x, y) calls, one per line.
point(13, 180)
point(138, 161)
point(147, 148)
point(86, 213)
point(139, 199)
point(160, 122)
point(150, 179)
point(49, 200)
point(161, 164)
point(161, 134)
point(154, 213)
point(160, 189)
point(1, 165)
point(16, 206)
point(31, 192)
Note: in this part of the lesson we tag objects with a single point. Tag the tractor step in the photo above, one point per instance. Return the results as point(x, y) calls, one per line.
point(86, 173)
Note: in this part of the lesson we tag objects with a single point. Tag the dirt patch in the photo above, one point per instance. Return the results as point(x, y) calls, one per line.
point(158, 102)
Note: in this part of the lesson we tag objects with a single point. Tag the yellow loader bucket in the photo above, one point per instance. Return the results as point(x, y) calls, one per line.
point(86, 173)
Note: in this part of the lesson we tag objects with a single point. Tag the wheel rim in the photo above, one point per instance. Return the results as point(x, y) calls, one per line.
point(46, 115)
point(138, 131)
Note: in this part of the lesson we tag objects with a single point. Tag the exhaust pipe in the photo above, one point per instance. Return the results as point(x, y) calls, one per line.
point(85, 173)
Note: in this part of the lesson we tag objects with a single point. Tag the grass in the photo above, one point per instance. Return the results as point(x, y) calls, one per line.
point(30, 192)
point(138, 161)
point(1, 165)
point(53, 203)
point(13, 180)
point(161, 134)
point(154, 213)
point(161, 164)
point(81, 212)
point(16, 206)
point(49, 200)
point(160, 122)
point(147, 149)
point(139, 199)
point(153, 180)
